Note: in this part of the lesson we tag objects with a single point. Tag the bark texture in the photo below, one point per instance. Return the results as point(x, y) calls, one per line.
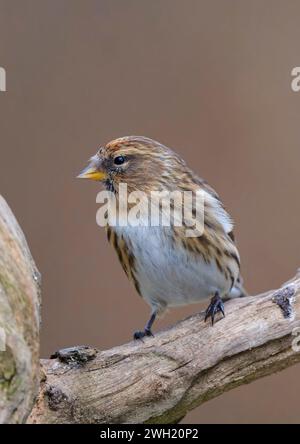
point(19, 321)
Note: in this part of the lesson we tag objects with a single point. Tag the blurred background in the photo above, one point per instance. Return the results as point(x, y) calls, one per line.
point(210, 78)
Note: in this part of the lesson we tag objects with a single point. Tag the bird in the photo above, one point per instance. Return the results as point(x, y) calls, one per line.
point(166, 267)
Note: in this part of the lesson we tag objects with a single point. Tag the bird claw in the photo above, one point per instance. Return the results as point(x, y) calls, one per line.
point(216, 305)
point(141, 334)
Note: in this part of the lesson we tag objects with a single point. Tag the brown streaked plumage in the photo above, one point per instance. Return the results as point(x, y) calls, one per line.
point(166, 267)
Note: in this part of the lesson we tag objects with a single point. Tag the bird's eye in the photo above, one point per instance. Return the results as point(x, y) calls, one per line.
point(119, 160)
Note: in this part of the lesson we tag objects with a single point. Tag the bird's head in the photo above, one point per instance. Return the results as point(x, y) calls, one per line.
point(142, 163)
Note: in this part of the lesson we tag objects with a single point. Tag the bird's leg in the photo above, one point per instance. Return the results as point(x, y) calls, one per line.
point(147, 330)
point(216, 305)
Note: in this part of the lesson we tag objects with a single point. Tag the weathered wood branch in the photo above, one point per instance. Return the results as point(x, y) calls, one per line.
point(19, 322)
point(160, 380)
point(157, 381)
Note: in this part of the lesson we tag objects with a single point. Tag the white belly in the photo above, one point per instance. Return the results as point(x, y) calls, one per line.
point(169, 275)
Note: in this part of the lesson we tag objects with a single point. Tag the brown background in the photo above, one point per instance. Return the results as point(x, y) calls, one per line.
point(209, 78)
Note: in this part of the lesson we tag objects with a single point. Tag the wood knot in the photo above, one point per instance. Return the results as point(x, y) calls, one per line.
point(284, 298)
point(55, 397)
point(79, 355)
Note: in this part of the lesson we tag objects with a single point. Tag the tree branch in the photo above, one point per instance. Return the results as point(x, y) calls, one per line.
point(160, 380)
point(19, 321)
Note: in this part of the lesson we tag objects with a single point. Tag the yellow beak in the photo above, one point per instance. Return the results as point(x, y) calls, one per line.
point(92, 173)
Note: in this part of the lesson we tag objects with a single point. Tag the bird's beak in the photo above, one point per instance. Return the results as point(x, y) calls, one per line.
point(93, 173)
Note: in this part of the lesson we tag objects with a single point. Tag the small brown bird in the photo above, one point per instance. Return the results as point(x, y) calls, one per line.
point(167, 267)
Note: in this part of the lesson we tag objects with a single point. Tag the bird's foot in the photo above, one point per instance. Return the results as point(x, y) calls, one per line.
point(216, 305)
point(141, 334)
